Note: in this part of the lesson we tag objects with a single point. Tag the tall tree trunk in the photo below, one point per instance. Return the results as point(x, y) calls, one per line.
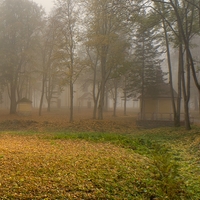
point(104, 50)
point(101, 101)
point(185, 35)
point(71, 84)
point(13, 104)
point(42, 94)
point(115, 102)
point(186, 92)
point(106, 100)
point(96, 100)
point(48, 92)
point(142, 106)
point(94, 84)
point(199, 102)
point(71, 101)
point(95, 109)
point(176, 114)
point(125, 96)
point(125, 99)
point(186, 95)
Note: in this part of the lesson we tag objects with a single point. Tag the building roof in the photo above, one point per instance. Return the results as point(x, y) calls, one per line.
point(24, 100)
point(86, 95)
point(164, 91)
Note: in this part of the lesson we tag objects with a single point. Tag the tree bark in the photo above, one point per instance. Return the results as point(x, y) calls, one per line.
point(186, 96)
point(13, 104)
point(42, 94)
point(71, 101)
point(115, 101)
point(101, 102)
point(104, 51)
point(125, 96)
point(174, 108)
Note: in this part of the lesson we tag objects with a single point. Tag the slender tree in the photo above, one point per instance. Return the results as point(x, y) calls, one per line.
point(163, 12)
point(105, 24)
point(186, 14)
point(68, 15)
point(48, 71)
point(93, 70)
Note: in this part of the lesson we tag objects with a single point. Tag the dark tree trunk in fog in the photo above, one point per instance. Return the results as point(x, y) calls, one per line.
point(186, 88)
point(106, 105)
point(95, 86)
point(101, 102)
point(142, 108)
point(125, 97)
point(71, 70)
point(184, 39)
point(95, 109)
point(104, 52)
point(178, 113)
point(176, 110)
point(42, 94)
point(96, 100)
point(115, 101)
point(71, 101)
point(185, 13)
point(48, 94)
point(13, 103)
point(186, 31)
point(199, 101)
point(49, 86)
point(186, 94)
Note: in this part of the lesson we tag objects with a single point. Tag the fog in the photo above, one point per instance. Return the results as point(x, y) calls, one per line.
point(47, 4)
point(99, 56)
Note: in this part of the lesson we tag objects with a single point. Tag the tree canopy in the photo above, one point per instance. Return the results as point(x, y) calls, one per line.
point(105, 44)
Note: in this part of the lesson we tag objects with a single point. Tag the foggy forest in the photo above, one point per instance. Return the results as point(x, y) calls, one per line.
point(115, 84)
point(100, 55)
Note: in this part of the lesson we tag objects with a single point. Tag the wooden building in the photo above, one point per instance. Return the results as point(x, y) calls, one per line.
point(86, 100)
point(24, 107)
point(159, 106)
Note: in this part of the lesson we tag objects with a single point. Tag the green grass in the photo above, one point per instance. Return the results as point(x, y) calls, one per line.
point(159, 163)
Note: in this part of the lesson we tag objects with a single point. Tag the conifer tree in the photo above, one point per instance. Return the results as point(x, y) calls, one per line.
point(145, 74)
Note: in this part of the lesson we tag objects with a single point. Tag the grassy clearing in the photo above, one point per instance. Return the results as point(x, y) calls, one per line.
point(146, 164)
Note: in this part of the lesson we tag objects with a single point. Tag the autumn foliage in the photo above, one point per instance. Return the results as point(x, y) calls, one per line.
point(49, 158)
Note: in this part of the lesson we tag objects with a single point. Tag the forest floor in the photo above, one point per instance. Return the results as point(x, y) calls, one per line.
point(59, 120)
point(46, 157)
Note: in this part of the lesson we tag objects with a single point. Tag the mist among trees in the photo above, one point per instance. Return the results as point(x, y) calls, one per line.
point(108, 46)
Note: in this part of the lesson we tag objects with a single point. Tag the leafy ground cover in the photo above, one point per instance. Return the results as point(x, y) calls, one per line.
point(114, 161)
point(36, 169)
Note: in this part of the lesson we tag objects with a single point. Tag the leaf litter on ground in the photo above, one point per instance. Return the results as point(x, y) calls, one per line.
point(32, 168)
